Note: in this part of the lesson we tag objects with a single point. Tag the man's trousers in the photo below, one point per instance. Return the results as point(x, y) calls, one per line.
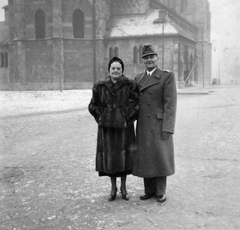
point(155, 185)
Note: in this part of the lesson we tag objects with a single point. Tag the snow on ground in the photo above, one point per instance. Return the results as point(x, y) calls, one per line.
point(25, 102)
point(14, 103)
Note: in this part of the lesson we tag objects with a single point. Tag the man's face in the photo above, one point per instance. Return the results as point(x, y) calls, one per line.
point(150, 61)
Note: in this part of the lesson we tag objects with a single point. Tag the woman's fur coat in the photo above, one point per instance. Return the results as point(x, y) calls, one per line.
point(115, 108)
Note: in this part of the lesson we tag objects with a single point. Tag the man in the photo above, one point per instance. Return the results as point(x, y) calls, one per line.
point(154, 158)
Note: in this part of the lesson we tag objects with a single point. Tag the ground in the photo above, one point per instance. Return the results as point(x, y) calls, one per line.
point(47, 166)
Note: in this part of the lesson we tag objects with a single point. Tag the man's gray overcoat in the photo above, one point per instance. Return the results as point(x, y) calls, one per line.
point(157, 100)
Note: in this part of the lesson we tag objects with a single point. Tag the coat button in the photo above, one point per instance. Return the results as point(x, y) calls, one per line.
point(140, 103)
point(149, 103)
point(140, 115)
point(148, 115)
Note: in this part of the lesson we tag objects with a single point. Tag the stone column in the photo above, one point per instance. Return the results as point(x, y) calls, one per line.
point(58, 55)
point(11, 58)
point(17, 38)
point(19, 22)
point(180, 66)
point(102, 15)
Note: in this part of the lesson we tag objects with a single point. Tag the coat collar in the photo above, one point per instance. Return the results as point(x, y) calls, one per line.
point(146, 82)
point(114, 87)
point(151, 72)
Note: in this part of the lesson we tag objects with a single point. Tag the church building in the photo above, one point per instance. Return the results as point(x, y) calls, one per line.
point(67, 44)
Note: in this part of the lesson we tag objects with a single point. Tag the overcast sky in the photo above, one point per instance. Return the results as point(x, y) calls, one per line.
point(225, 28)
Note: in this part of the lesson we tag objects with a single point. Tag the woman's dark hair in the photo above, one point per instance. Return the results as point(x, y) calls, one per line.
point(115, 59)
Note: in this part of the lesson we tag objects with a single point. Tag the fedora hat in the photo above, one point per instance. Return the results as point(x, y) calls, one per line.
point(148, 50)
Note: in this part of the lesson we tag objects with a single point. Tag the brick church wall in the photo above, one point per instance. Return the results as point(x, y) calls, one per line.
point(39, 62)
point(78, 61)
point(62, 59)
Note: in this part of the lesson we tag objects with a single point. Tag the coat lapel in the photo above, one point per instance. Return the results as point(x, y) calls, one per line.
point(146, 82)
point(143, 79)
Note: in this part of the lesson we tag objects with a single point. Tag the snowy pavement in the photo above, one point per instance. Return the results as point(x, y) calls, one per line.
point(27, 102)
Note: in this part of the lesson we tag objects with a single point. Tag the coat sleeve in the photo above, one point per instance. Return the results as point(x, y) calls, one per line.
point(94, 106)
point(132, 107)
point(170, 104)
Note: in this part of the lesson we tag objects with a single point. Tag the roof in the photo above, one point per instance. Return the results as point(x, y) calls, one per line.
point(4, 33)
point(139, 25)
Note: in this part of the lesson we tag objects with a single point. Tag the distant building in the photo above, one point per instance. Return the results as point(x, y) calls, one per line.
point(66, 44)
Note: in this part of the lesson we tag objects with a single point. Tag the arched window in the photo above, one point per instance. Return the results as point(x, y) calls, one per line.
point(6, 59)
point(113, 52)
point(110, 55)
point(40, 24)
point(135, 55)
point(116, 51)
point(78, 24)
point(140, 54)
point(2, 60)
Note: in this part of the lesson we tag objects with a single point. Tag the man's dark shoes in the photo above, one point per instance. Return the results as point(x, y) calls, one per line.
point(147, 196)
point(162, 198)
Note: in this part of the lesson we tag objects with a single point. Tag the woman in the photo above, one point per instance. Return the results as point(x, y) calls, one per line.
point(114, 105)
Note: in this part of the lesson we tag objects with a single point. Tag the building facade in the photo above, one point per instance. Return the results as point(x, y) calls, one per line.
point(66, 44)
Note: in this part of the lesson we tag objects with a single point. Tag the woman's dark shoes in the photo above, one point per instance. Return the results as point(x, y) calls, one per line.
point(162, 198)
point(112, 196)
point(147, 196)
point(124, 194)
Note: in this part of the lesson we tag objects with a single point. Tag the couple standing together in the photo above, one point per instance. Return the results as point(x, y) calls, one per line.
point(150, 100)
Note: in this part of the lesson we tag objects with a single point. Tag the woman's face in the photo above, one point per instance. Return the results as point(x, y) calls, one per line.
point(115, 71)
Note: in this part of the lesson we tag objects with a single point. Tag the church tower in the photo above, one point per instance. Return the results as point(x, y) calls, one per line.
point(66, 44)
point(56, 42)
